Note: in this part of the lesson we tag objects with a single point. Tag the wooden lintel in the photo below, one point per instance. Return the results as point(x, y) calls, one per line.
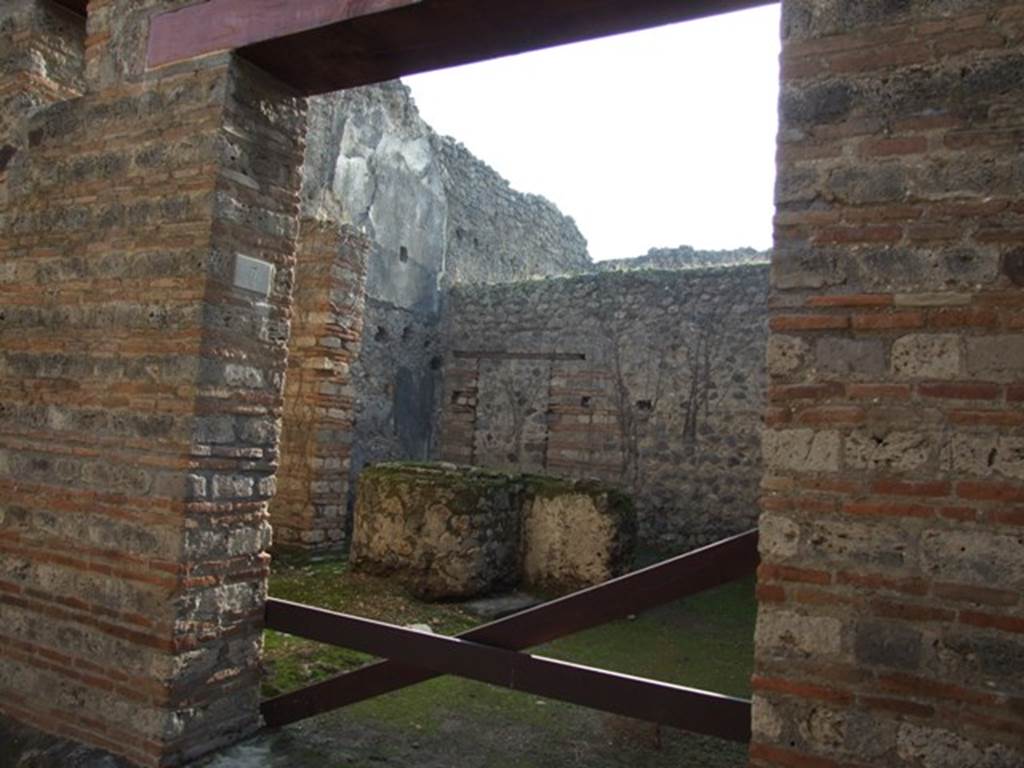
point(317, 46)
point(226, 25)
point(76, 6)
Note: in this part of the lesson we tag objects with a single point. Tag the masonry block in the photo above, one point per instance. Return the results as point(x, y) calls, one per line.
point(575, 535)
point(456, 532)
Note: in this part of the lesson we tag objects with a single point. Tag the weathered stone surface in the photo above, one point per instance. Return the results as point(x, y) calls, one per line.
point(778, 537)
point(931, 747)
point(850, 358)
point(983, 455)
point(920, 356)
point(888, 645)
point(996, 357)
point(894, 450)
point(897, 228)
point(806, 449)
point(974, 557)
point(786, 355)
point(145, 375)
point(445, 532)
point(787, 634)
point(683, 257)
point(575, 535)
point(650, 380)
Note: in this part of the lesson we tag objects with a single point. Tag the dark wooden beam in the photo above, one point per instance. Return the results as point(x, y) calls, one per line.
point(226, 25)
point(373, 40)
point(655, 701)
point(687, 574)
point(77, 6)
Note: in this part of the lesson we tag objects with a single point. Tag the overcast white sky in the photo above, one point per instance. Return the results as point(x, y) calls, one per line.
point(654, 139)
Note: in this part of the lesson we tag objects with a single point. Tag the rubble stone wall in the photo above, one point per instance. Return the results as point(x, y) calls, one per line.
point(497, 234)
point(140, 386)
point(652, 380)
point(891, 623)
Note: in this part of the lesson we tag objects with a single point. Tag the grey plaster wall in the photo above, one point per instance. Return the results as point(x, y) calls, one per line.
point(372, 162)
point(651, 379)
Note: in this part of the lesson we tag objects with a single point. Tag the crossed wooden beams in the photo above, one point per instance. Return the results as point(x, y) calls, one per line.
point(490, 653)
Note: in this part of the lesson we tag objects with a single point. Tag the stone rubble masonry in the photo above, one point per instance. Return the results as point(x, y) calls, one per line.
point(496, 234)
point(310, 508)
point(650, 380)
point(446, 532)
point(891, 621)
point(140, 391)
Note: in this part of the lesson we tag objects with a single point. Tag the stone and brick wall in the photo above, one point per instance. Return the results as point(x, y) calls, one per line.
point(891, 624)
point(140, 388)
point(310, 509)
point(496, 234)
point(652, 380)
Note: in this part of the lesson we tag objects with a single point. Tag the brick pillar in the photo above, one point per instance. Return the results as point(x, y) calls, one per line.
point(145, 275)
point(310, 510)
point(891, 622)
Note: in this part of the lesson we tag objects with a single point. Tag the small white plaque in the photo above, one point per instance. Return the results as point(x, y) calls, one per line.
point(253, 275)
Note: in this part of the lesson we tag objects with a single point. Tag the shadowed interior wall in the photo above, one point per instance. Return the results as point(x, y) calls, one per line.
point(891, 623)
point(140, 386)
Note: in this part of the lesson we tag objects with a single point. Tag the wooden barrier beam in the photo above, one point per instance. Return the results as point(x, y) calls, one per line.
point(687, 574)
point(654, 701)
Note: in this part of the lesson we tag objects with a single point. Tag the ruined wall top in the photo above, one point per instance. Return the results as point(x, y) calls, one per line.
point(684, 257)
point(437, 214)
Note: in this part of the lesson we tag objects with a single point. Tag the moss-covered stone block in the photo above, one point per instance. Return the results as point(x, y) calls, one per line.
point(453, 532)
point(448, 532)
point(575, 534)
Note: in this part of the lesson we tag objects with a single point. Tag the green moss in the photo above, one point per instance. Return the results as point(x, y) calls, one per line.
point(463, 490)
point(449, 474)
